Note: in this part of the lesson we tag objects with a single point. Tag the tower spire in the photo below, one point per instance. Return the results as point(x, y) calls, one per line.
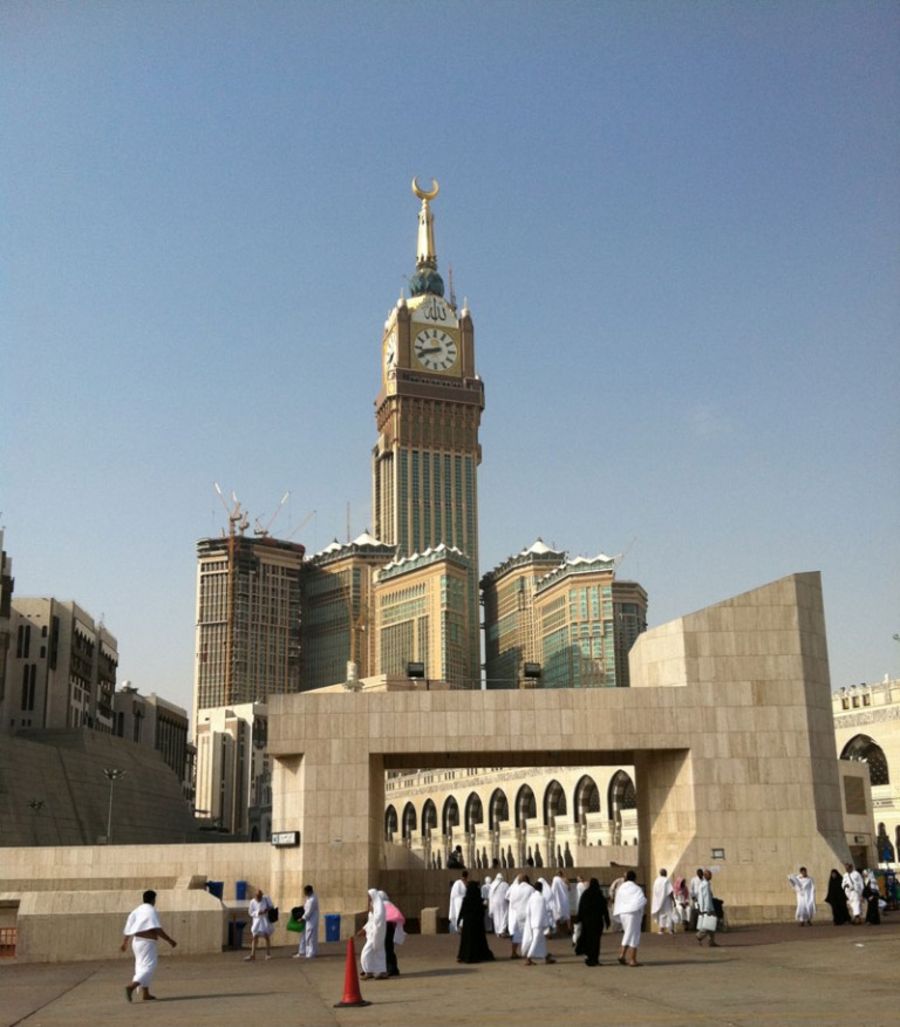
point(426, 279)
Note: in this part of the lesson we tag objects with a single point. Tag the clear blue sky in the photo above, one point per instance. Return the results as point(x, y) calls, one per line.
point(676, 224)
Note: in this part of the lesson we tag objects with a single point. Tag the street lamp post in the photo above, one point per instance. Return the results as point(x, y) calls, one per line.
point(35, 805)
point(112, 774)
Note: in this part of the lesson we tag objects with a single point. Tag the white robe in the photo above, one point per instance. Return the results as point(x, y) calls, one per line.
point(309, 938)
point(663, 904)
point(499, 904)
point(805, 889)
point(486, 899)
point(580, 889)
point(146, 953)
point(629, 908)
point(852, 883)
point(518, 904)
point(537, 921)
point(259, 919)
point(457, 894)
point(559, 891)
point(547, 895)
point(372, 959)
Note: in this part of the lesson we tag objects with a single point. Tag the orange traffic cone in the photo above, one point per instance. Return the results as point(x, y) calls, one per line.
point(352, 996)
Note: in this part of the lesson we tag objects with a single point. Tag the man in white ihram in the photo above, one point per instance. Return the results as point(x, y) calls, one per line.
point(309, 938)
point(805, 889)
point(853, 886)
point(560, 901)
point(143, 928)
point(663, 903)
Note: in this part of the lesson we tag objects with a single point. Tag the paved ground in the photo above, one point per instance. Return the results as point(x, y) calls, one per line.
point(778, 976)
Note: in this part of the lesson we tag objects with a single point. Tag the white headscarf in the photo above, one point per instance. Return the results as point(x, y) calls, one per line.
point(378, 913)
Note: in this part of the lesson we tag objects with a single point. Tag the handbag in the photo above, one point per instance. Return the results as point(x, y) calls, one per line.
point(272, 914)
point(295, 925)
point(707, 922)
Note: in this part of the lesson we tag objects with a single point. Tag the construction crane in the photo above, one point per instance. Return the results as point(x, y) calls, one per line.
point(238, 523)
point(265, 532)
point(303, 523)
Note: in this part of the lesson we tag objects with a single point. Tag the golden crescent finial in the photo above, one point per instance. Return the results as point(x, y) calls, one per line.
point(421, 193)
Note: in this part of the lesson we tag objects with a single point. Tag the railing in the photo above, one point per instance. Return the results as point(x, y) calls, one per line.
point(7, 942)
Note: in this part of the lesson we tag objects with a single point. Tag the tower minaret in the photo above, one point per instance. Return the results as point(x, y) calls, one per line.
point(424, 465)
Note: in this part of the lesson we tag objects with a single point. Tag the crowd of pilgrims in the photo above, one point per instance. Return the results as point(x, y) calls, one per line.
point(528, 912)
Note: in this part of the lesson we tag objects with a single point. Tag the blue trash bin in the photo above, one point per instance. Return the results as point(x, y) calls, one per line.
point(216, 888)
point(240, 890)
point(332, 926)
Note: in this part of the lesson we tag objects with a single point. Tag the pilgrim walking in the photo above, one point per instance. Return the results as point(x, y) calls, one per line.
point(591, 918)
point(372, 959)
point(143, 929)
point(473, 943)
point(629, 908)
point(837, 899)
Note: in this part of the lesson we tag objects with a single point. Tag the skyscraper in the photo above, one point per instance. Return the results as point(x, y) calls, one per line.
point(424, 464)
point(248, 620)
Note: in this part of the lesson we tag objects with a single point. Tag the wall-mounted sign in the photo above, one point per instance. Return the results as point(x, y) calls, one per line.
point(718, 853)
point(285, 839)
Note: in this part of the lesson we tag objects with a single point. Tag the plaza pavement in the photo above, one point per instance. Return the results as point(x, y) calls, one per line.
point(778, 976)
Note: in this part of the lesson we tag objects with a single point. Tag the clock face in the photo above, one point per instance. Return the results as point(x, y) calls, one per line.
point(390, 351)
point(435, 349)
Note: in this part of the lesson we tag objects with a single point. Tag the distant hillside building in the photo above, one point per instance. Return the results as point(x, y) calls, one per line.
point(551, 622)
point(156, 722)
point(60, 667)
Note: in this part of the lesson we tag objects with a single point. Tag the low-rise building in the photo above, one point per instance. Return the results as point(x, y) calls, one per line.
point(234, 782)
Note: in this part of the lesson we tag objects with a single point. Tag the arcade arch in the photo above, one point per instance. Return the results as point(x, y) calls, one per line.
point(864, 749)
point(450, 815)
point(474, 812)
point(526, 807)
point(429, 818)
point(498, 809)
point(409, 821)
point(390, 823)
point(554, 803)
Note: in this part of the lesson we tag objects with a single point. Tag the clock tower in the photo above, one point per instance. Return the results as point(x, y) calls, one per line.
point(428, 410)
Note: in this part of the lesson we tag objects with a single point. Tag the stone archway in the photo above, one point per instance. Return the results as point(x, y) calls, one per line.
point(331, 749)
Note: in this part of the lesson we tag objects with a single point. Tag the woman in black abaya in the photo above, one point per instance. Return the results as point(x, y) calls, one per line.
point(473, 946)
point(593, 914)
point(837, 899)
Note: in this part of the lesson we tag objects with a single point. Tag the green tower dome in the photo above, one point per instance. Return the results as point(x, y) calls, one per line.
point(426, 280)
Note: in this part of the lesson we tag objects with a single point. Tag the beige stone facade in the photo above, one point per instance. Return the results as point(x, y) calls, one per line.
point(60, 667)
point(727, 724)
point(71, 903)
point(867, 731)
